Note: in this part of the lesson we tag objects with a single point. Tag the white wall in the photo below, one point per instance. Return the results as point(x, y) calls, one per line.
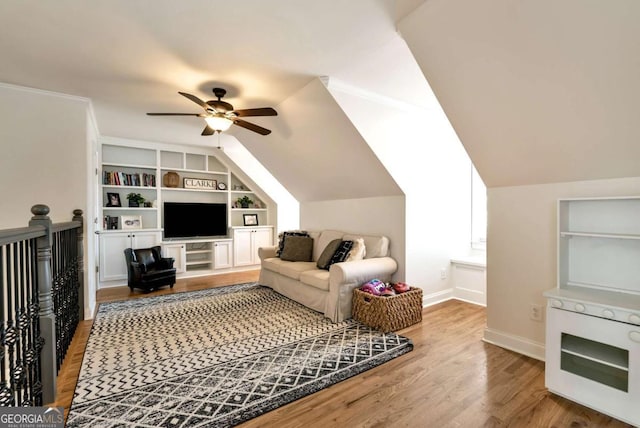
point(286, 207)
point(423, 154)
point(370, 216)
point(522, 254)
point(45, 153)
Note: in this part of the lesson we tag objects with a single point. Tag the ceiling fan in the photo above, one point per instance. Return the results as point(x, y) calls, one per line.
point(220, 115)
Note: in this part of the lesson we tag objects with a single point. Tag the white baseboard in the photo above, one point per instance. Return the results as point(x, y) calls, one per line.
point(470, 296)
point(514, 343)
point(183, 275)
point(438, 297)
point(112, 284)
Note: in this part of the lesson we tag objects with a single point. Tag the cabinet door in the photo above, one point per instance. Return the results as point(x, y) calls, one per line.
point(112, 263)
point(594, 361)
point(145, 239)
point(179, 254)
point(222, 255)
point(242, 254)
point(112, 245)
point(261, 238)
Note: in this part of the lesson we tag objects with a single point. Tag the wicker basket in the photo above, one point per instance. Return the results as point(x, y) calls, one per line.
point(388, 313)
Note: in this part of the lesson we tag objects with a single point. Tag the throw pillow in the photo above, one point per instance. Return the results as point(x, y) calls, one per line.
point(324, 261)
point(297, 249)
point(341, 253)
point(358, 251)
point(282, 236)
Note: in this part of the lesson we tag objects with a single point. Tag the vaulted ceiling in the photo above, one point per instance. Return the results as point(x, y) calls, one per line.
point(130, 58)
point(538, 90)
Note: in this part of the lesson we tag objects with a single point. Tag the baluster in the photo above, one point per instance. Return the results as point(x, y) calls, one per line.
point(77, 216)
point(2, 328)
point(19, 375)
point(6, 396)
point(55, 290)
point(30, 356)
point(10, 332)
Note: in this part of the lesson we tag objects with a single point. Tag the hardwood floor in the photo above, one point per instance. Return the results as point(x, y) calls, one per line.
point(451, 379)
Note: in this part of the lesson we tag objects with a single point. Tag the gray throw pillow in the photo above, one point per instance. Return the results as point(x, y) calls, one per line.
point(342, 252)
point(283, 237)
point(297, 249)
point(324, 261)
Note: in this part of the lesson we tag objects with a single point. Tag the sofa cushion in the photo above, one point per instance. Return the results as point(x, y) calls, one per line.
point(377, 246)
point(273, 264)
point(317, 278)
point(145, 257)
point(294, 269)
point(324, 261)
point(154, 274)
point(297, 249)
point(358, 251)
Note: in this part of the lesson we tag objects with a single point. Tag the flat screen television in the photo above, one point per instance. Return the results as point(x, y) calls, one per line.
point(194, 219)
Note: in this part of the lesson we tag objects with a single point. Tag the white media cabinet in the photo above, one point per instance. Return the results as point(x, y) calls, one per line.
point(199, 256)
point(140, 168)
point(593, 315)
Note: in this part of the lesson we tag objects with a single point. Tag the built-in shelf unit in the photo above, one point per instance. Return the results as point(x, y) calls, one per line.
point(593, 314)
point(145, 168)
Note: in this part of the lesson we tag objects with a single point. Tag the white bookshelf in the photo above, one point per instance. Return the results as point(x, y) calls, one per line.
point(141, 159)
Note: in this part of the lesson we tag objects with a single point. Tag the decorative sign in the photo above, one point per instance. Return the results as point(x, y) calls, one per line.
point(200, 183)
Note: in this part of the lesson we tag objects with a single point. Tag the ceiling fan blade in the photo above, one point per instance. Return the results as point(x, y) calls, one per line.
point(252, 127)
point(265, 111)
point(195, 100)
point(174, 114)
point(208, 131)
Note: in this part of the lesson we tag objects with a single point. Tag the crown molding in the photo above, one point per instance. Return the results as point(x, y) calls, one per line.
point(44, 92)
point(90, 110)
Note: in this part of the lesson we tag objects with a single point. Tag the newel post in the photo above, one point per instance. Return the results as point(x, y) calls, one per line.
point(77, 216)
point(48, 365)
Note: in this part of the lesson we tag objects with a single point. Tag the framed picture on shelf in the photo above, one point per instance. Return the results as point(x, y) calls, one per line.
point(110, 222)
point(113, 223)
point(113, 200)
point(250, 219)
point(131, 222)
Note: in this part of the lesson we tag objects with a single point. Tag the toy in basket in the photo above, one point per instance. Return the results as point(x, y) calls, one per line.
point(387, 307)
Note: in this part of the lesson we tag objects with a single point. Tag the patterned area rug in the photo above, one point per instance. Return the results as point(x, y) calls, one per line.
point(215, 357)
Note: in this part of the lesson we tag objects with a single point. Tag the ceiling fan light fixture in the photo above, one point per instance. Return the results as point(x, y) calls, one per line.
point(220, 115)
point(218, 123)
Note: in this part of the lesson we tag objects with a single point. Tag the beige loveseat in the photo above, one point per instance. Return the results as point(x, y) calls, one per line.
point(325, 291)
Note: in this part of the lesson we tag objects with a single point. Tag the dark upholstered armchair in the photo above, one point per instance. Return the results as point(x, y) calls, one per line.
point(148, 269)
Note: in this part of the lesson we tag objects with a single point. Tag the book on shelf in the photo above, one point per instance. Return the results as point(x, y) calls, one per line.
point(119, 178)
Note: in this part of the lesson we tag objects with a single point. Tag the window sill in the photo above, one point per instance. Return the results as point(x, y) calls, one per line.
point(475, 260)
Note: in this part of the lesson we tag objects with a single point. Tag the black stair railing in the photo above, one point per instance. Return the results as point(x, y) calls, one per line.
point(41, 303)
